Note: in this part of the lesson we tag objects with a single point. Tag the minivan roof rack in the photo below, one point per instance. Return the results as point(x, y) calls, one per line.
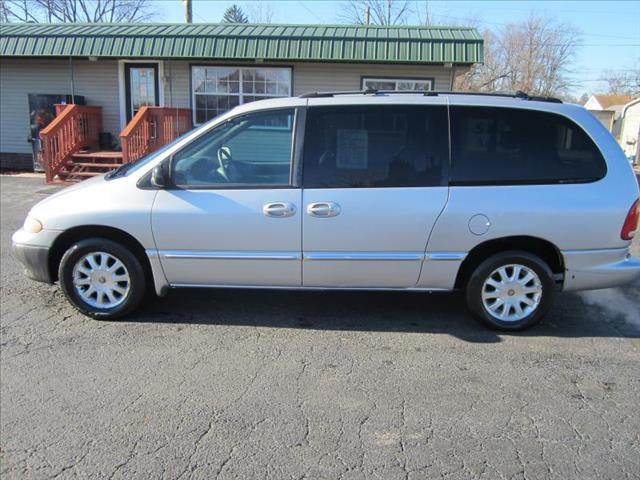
point(432, 93)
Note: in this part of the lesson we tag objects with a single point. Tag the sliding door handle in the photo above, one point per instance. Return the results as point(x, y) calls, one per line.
point(323, 209)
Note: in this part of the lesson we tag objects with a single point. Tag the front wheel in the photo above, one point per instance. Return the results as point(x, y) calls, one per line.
point(510, 290)
point(102, 278)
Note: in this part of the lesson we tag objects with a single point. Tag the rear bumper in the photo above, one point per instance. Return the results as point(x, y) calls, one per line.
point(593, 269)
point(35, 260)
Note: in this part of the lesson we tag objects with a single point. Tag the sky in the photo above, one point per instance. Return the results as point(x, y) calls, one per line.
point(610, 30)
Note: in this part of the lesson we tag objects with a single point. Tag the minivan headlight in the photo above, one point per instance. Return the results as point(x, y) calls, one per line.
point(32, 225)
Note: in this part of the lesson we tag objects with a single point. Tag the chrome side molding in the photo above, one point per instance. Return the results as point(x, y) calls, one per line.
point(365, 256)
point(445, 256)
point(229, 255)
point(313, 256)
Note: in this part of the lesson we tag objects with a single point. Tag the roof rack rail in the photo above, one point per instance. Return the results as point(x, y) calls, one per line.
point(345, 92)
point(432, 93)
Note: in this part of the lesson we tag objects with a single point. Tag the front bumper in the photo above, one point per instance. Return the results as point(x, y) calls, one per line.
point(594, 269)
point(35, 260)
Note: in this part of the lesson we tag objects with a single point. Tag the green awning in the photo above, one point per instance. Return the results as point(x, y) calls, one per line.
point(269, 42)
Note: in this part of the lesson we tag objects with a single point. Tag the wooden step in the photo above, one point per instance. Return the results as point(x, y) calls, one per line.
point(99, 155)
point(66, 173)
point(91, 165)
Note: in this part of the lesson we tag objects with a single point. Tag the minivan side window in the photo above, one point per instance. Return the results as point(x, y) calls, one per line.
point(375, 146)
point(501, 146)
point(252, 149)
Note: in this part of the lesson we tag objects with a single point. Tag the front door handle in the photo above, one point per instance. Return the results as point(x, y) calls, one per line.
point(323, 209)
point(279, 209)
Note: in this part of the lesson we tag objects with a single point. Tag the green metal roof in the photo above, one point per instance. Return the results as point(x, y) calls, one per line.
point(314, 43)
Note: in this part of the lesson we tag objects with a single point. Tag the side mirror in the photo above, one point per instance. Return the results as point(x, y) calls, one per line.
point(158, 177)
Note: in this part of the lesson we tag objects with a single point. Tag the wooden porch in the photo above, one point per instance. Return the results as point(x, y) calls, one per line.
point(70, 143)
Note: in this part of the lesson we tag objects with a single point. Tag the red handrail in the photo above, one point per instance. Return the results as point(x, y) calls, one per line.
point(152, 128)
point(76, 127)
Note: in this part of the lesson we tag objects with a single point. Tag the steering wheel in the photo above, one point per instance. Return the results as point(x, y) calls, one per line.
point(199, 171)
point(224, 162)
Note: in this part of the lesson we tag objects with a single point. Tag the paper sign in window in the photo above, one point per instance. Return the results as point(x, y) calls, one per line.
point(353, 149)
point(479, 134)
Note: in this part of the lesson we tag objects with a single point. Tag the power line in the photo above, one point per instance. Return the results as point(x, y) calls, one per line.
point(195, 14)
point(609, 69)
point(310, 11)
point(524, 10)
point(507, 24)
point(609, 44)
point(610, 36)
point(201, 17)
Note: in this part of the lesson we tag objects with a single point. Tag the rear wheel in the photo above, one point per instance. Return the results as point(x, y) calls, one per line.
point(102, 278)
point(510, 290)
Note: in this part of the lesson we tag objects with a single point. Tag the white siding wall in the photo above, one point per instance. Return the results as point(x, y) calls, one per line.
point(313, 77)
point(97, 81)
point(631, 130)
point(592, 103)
point(177, 90)
point(308, 77)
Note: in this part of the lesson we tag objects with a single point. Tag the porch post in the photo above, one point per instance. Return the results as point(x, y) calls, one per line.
point(73, 97)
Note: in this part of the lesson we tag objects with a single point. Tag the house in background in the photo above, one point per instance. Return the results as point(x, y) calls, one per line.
point(630, 130)
point(608, 109)
point(136, 86)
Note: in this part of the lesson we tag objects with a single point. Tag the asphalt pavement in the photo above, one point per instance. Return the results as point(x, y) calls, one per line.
point(274, 384)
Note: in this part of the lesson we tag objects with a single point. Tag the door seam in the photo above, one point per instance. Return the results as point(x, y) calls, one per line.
point(153, 237)
point(302, 210)
point(446, 202)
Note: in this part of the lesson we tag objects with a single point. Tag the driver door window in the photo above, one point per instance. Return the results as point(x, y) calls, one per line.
point(249, 150)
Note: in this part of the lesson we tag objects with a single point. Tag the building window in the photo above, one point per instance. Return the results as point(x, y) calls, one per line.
point(397, 84)
point(218, 89)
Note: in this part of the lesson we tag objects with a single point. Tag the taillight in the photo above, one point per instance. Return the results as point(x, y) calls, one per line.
point(631, 222)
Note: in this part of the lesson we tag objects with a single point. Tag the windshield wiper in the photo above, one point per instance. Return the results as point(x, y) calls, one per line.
point(121, 170)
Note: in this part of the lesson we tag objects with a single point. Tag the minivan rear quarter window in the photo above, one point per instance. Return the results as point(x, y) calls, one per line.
point(375, 146)
point(492, 145)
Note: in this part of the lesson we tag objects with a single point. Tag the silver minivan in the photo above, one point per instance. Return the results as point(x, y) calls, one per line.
point(510, 198)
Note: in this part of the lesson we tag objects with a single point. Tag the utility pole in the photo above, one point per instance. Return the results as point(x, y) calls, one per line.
point(188, 11)
point(367, 15)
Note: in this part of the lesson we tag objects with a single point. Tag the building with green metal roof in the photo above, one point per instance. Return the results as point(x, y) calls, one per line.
point(208, 68)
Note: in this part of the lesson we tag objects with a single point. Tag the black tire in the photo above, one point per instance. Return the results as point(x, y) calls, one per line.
point(482, 272)
point(127, 302)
